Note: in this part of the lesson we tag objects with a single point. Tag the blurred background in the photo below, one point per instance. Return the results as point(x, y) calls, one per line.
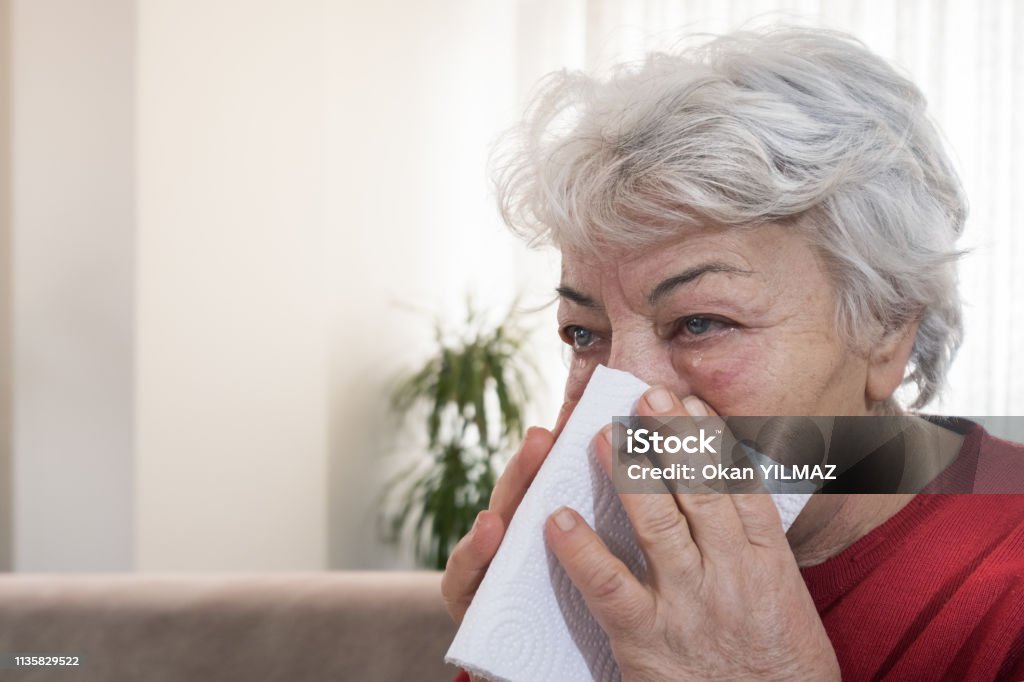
point(226, 226)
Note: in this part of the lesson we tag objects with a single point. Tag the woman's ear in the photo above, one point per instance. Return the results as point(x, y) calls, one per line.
point(887, 361)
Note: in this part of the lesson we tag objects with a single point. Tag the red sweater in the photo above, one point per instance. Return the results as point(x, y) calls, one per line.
point(937, 591)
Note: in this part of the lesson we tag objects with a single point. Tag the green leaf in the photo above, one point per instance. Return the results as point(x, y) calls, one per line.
point(437, 499)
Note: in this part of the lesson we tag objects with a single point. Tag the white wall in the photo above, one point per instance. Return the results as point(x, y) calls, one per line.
point(309, 171)
point(309, 188)
point(232, 344)
point(72, 238)
point(416, 94)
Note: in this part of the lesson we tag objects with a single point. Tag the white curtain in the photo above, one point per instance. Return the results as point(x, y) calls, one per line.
point(960, 52)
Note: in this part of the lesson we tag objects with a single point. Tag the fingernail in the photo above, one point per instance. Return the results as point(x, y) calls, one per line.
point(695, 407)
point(606, 433)
point(659, 400)
point(565, 520)
point(476, 521)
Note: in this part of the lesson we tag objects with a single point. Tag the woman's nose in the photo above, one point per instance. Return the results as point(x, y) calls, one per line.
point(648, 358)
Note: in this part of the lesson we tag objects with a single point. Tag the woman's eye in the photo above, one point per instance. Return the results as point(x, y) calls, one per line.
point(578, 337)
point(698, 325)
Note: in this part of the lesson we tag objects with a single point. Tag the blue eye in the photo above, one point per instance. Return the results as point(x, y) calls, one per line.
point(578, 337)
point(698, 325)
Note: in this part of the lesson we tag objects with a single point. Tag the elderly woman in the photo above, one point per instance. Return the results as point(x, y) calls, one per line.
point(765, 225)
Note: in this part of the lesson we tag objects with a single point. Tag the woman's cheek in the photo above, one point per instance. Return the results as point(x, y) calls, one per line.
point(725, 379)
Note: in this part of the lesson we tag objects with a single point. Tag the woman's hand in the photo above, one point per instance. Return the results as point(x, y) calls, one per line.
point(472, 555)
point(723, 599)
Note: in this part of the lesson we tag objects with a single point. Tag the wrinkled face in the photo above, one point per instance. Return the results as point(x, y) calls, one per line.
point(743, 319)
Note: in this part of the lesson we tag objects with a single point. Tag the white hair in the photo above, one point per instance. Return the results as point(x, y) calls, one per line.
point(796, 126)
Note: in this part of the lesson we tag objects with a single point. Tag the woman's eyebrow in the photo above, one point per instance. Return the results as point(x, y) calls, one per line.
point(690, 275)
point(577, 297)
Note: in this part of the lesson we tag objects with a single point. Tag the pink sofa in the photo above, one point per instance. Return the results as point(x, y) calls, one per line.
point(274, 626)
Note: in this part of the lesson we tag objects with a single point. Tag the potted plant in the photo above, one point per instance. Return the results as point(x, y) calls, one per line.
point(470, 395)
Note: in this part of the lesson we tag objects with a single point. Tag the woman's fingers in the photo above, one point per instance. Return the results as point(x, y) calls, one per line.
point(469, 561)
point(757, 511)
point(761, 521)
point(518, 475)
point(619, 602)
point(712, 518)
point(472, 555)
point(661, 530)
point(719, 523)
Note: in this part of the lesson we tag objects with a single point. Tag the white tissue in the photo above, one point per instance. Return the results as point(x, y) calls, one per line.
point(527, 620)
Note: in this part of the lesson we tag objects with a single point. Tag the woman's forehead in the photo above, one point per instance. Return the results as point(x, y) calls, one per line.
point(742, 251)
